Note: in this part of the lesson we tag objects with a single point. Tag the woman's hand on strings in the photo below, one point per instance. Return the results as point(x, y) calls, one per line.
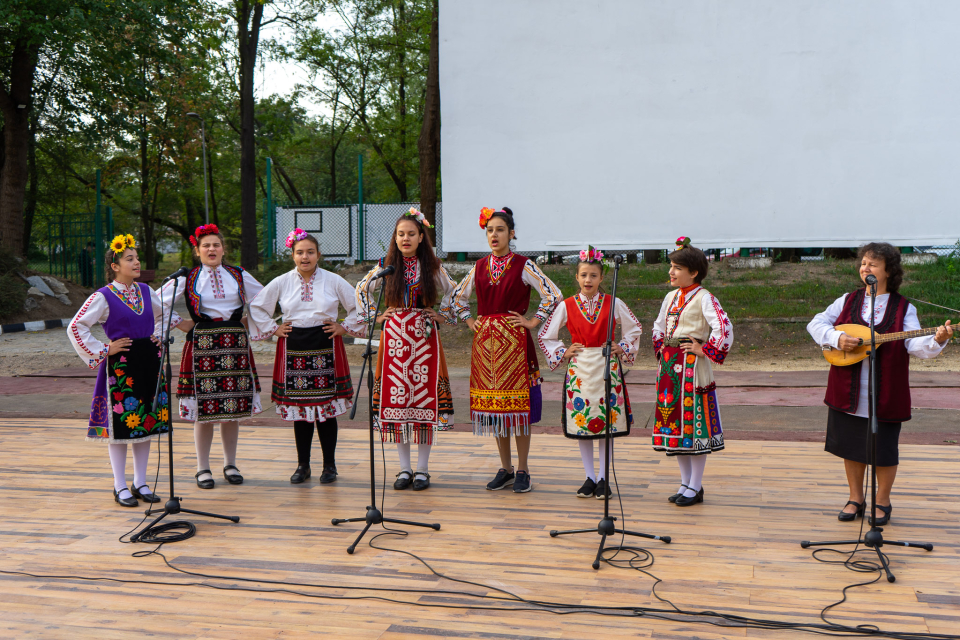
point(573, 351)
point(944, 333)
point(694, 346)
point(517, 320)
point(283, 330)
point(334, 329)
point(119, 345)
point(386, 315)
point(848, 343)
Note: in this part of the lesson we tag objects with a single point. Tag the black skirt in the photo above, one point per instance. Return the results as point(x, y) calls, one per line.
point(847, 438)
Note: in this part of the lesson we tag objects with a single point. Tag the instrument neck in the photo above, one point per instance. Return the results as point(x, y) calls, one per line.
point(904, 335)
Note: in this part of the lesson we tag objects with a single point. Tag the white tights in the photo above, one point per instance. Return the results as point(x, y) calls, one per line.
point(691, 474)
point(423, 456)
point(118, 462)
point(203, 439)
point(586, 454)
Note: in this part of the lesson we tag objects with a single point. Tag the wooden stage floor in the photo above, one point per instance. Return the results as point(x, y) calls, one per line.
point(737, 552)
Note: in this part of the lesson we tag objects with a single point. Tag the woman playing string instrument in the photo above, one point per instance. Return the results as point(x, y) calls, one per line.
point(847, 387)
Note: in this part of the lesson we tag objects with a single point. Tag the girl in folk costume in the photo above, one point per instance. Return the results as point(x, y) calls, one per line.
point(411, 394)
point(505, 373)
point(584, 414)
point(311, 374)
point(848, 387)
point(129, 365)
point(218, 377)
point(691, 333)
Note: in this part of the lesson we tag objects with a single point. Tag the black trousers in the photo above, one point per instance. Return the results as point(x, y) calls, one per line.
point(327, 430)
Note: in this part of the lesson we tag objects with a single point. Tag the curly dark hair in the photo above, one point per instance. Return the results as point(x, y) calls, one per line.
point(693, 259)
point(891, 262)
point(429, 265)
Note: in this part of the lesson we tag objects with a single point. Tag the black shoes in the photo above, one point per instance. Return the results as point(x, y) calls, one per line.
point(146, 497)
point(124, 502)
point(843, 516)
point(329, 474)
point(404, 478)
point(884, 519)
point(602, 490)
point(684, 501)
point(232, 478)
point(522, 482)
point(300, 475)
point(502, 480)
point(674, 497)
point(205, 484)
point(586, 491)
point(421, 480)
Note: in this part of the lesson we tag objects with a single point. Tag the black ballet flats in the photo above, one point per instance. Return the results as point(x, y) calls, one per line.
point(329, 474)
point(232, 478)
point(674, 497)
point(404, 479)
point(124, 502)
point(421, 480)
point(843, 516)
point(684, 501)
point(204, 484)
point(885, 518)
point(146, 497)
point(300, 475)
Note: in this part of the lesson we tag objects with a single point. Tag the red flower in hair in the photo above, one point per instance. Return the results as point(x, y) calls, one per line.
point(204, 230)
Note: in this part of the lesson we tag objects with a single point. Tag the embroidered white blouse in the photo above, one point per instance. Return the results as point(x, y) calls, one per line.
point(97, 310)
point(550, 295)
point(367, 303)
point(822, 331)
point(720, 341)
point(304, 303)
point(219, 292)
point(550, 343)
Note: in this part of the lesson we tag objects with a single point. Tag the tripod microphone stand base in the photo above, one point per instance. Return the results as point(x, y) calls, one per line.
point(606, 528)
point(375, 517)
point(172, 507)
point(873, 539)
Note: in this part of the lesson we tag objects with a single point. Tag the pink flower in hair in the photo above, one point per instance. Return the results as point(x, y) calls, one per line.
point(295, 236)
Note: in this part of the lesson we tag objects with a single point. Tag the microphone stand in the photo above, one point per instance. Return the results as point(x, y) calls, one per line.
point(172, 505)
point(874, 537)
point(373, 515)
point(607, 526)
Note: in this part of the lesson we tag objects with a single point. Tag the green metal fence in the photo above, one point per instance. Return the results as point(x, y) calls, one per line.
point(75, 245)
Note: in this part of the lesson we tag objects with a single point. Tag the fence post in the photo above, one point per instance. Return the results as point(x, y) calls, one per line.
point(361, 231)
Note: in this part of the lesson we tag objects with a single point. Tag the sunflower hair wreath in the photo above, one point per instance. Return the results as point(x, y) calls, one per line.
point(120, 244)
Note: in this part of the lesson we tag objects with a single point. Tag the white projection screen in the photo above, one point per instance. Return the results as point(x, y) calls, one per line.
point(627, 123)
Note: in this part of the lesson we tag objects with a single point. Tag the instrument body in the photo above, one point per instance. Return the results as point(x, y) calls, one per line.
point(841, 358)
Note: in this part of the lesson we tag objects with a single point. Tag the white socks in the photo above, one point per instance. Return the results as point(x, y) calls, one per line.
point(423, 456)
point(118, 462)
point(141, 456)
point(586, 455)
point(697, 465)
point(684, 462)
point(203, 440)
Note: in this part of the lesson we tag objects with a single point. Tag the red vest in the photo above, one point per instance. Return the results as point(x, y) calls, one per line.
point(508, 293)
point(893, 364)
point(589, 334)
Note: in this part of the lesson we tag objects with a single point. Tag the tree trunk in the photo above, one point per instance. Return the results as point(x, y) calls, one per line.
point(146, 243)
point(30, 208)
point(429, 142)
point(402, 97)
point(249, 18)
point(16, 136)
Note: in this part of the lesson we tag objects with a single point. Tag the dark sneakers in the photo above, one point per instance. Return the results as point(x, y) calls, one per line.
point(503, 480)
point(522, 483)
point(602, 490)
point(586, 491)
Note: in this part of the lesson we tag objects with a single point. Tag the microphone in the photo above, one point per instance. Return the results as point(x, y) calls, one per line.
point(182, 271)
point(386, 271)
point(617, 259)
point(871, 279)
